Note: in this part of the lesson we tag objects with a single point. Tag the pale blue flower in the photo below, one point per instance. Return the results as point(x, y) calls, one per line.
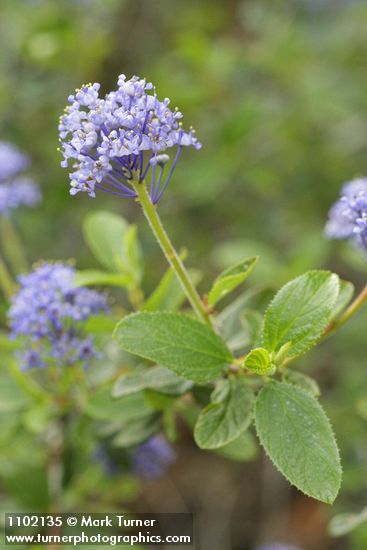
point(124, 136)
point(48, 314)
point(348, 216)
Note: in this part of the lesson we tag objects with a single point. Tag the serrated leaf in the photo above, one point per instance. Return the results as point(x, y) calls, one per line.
point(300, 312)
point(155, 378)
point(302, 381)
point(229, 414)
point(184, 345)
point(241, 449)
point(259, 361)
point(230, 279)
point(94, 277)
point(297, 436)
point(346, 292)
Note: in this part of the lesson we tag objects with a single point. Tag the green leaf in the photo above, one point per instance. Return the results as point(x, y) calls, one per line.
point(260, 362)
point(158, 401)
point(300, 312)
point(169, 295)
point(136, 431)
point(104, 233)
point(361, 407)
point(169, 424)
point(297, 436)
point(133, 252)
point(302, 381)
point(8, 425)
point(345, 295)
point(229, 414)
point(100, 324)
point(12, 397)
point(155, 378)
point(241, 449)
point(95, 277)
point(253, 322)
point(345, 523)
point(184, 345)
point(282, 354)
point(232, 322)
point(36, 418)
point(230, 279)
point(101, 406)
point(114, 243)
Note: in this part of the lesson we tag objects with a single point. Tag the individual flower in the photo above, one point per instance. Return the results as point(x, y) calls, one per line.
point(152, 458)
point(16, 189)
point(123, 136)
point(348, 216)
point(49, 312)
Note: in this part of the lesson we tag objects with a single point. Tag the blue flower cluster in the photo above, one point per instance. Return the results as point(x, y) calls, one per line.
point(348, 216)
point(15, 189)
point(152, 458)
point(48, 312)
point(121, 137)
point(12, 161)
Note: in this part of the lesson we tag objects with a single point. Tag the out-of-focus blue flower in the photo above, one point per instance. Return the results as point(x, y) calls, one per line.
point(121, 137)
point(277, 546)
point(15, 189)
point(348, 216)
point(49, 312)
point(152, 458)
point(12, 161)
point(21, 191)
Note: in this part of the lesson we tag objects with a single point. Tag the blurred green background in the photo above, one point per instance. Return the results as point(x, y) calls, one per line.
point(277, 92)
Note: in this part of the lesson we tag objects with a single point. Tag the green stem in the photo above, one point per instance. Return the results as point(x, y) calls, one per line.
point(6, 281)
point(169, 251)
point(12, 245)
point(351, 310)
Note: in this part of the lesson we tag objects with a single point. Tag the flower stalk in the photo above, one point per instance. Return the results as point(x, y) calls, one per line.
point(6, 282)
point(349, 312)
point(13, 248)
point(170, 252)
